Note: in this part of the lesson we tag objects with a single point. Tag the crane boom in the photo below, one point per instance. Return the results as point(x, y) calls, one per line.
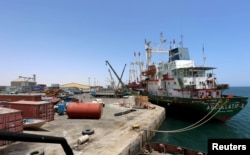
point(122, 73)
point(115, 73)
point(124, 88)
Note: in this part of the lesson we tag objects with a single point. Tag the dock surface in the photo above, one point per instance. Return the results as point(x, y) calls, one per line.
point(113, 135)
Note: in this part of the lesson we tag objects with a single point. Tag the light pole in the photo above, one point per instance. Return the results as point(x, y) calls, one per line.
point(89, 81)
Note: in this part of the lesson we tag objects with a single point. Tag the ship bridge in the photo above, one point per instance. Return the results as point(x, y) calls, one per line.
point(179, 64)
point(196, 77)
point(192, 71)
point(179, 54)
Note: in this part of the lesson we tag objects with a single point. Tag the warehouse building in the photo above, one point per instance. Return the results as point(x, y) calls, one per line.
point(82, 87)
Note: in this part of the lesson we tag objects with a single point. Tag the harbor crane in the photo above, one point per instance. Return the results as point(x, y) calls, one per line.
point(122, 74)
point(124, 90)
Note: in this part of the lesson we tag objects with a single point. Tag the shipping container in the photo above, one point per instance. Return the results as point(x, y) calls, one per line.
point(10, 120)
point(34, 109)
point(17, 97)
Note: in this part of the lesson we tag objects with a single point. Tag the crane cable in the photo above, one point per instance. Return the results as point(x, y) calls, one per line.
point(193, 126)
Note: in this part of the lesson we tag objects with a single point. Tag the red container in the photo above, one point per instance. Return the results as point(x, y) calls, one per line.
point(11, 120)
point(84, 110)
point(34, 109)
point(28, 97)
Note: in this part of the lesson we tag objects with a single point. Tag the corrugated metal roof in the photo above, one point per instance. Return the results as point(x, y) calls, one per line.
point(72, 84)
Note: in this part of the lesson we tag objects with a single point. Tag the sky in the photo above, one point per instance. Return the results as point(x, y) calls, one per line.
point(64, 41)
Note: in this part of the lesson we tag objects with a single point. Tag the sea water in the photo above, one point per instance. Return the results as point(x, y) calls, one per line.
point(197, 138)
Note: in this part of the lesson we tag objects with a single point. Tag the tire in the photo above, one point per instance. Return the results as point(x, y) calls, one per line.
point(38, 152)
point(88, 132)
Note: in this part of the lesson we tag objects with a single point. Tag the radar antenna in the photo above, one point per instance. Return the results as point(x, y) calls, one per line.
point(181, 43)
point(204, 57)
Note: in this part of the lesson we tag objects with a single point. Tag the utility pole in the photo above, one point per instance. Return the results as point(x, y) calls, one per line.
point(89, 82)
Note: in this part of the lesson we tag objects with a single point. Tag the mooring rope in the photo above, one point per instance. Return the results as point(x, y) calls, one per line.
point(193, 126)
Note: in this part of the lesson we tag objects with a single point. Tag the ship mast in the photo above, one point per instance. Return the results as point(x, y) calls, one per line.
point(150, 50)
point(140, 64)
point(135, 69)
point(132, 73)
point(181, 43)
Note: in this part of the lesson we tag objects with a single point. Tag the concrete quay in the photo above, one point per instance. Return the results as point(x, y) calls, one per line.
point(113, 135)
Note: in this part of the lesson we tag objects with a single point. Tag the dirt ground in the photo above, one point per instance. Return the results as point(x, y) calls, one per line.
point(111, 133)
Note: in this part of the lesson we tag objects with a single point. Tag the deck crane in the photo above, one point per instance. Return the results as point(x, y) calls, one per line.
point(150, 50)
point(124, 90)
point(140, 64)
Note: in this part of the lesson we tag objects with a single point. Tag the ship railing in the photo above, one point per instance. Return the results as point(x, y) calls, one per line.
point(222, 86)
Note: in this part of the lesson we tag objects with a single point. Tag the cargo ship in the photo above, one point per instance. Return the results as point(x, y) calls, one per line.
point(185, 89)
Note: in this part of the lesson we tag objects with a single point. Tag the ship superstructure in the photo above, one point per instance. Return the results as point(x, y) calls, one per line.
point(179, 84)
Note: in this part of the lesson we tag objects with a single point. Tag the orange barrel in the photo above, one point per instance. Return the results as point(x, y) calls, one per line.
point(84, 110)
